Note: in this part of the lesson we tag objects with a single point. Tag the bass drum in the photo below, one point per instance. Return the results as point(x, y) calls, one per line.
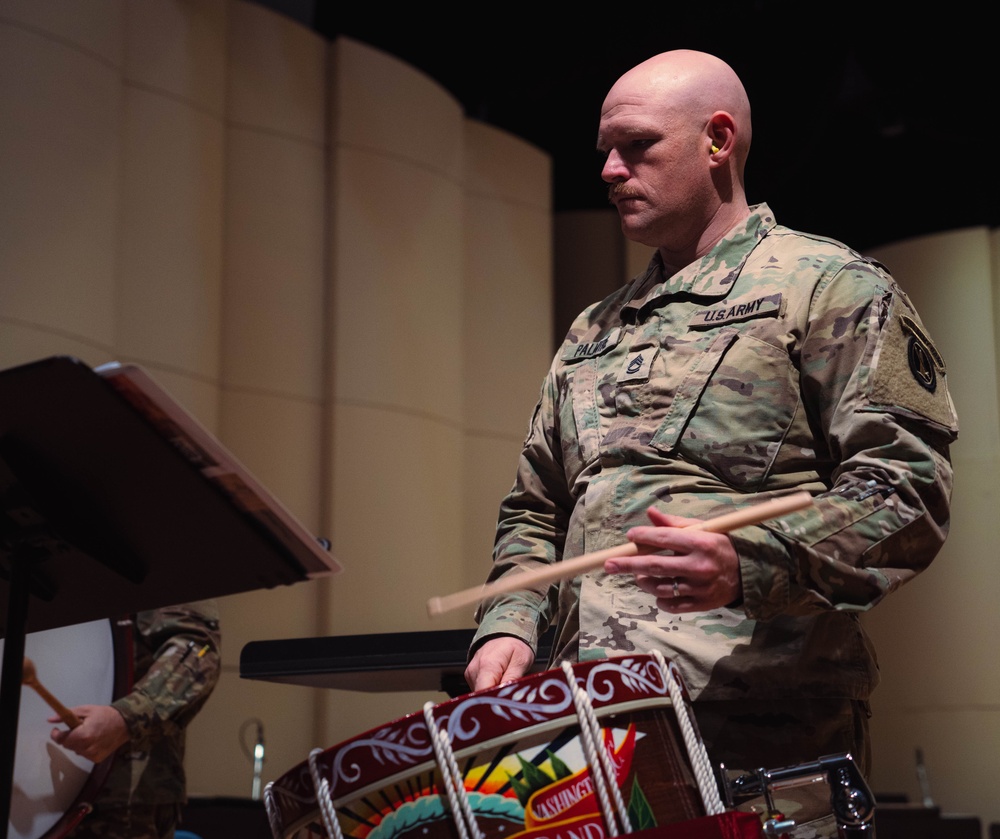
point(83, 664)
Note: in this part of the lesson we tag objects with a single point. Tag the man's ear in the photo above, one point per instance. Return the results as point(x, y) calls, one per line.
point(720, 134)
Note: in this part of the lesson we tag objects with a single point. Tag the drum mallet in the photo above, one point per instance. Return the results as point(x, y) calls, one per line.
point(754, 514)
point(30, 678)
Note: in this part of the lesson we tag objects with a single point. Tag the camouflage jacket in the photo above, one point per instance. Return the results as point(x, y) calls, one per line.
point(779, 362)
point(177, 662)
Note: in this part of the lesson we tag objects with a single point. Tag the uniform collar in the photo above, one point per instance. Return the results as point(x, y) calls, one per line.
point(711, 276)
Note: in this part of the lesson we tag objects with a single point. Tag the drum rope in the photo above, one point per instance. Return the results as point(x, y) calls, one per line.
point(451, 775)
point(602, 771)
point(273, 816)
point(324, 797)
point(697, 753)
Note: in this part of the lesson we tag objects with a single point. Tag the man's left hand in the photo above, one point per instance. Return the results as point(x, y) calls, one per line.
point(686, 570)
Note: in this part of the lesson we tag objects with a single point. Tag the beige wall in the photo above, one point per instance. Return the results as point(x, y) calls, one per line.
point(507, 328)
point(319, 256)
point(271, 369)
point(940, 688)
point(592, 259)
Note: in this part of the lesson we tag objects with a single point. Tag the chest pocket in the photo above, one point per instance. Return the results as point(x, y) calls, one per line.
point(581, 414)
point(733, 409)
point(587, 400)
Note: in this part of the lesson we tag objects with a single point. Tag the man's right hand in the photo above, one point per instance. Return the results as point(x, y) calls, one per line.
point(499, 660)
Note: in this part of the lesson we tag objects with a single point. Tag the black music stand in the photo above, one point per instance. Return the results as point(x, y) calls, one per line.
point(113, 500)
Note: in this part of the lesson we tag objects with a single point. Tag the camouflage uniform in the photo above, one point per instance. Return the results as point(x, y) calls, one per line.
point(176, 659)
point(779, 362)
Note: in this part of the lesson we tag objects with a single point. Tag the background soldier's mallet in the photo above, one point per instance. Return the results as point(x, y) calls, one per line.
point(30, 678)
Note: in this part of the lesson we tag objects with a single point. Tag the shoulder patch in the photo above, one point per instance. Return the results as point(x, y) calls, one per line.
point(924, 359)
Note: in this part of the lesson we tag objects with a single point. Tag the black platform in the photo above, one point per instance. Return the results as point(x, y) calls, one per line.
point(379, 663)
point(914, 821)
point(225, 818)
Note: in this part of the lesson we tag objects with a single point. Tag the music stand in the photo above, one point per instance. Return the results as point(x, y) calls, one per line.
point(113, 499)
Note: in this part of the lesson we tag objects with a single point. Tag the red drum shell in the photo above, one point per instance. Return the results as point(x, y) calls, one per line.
point(519, 751)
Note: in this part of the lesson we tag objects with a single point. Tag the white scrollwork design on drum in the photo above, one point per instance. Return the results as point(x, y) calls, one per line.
point(387, 745)
point(530, 703)
point(637, 675)
point(298, 789)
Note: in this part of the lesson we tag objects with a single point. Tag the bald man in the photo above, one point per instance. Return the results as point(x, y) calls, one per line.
point(748, 362)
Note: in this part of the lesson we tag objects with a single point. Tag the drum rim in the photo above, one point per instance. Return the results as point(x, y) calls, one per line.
point(445, 707)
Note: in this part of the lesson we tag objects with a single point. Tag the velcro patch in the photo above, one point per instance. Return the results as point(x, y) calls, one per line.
point(909, 372)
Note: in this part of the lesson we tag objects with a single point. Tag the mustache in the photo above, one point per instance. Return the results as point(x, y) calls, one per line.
point(622, 190)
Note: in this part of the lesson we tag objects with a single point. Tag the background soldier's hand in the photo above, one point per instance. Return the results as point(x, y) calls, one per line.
point(102, 731)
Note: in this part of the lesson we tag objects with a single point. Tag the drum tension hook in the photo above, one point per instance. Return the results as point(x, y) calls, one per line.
point(851, 801)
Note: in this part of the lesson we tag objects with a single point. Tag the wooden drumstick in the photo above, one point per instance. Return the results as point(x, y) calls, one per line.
point(29, 677)
point(588, 562)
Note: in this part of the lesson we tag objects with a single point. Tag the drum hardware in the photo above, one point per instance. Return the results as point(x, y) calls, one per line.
point(451, 778)
point(323, 798)
point(258, 764)
point(256, 754)
point(602, 773)
point(924, 780)
point(777, 827)
point(851, 801)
